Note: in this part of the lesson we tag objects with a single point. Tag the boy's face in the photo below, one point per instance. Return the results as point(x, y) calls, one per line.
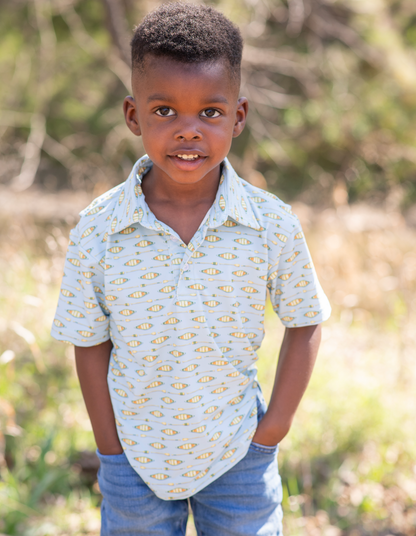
point(187, 115)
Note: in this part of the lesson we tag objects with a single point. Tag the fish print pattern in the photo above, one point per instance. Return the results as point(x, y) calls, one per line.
point(186, 321)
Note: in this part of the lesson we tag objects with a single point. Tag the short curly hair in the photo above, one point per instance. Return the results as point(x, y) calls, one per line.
point(188, 33)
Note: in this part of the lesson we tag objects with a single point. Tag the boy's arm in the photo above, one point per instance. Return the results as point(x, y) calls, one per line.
point(92, 366)
point(296, 360)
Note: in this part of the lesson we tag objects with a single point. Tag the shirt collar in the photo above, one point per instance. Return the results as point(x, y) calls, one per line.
point(231, 201)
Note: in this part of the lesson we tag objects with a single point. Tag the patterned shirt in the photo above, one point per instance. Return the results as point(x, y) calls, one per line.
point(185, 320)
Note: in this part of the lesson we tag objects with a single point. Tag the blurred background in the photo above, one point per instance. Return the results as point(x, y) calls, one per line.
point(331, 129)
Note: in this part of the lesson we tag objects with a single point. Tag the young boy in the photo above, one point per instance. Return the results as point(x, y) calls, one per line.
point(164, 294)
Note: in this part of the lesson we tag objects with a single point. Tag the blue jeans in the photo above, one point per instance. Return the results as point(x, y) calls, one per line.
point(245, 501)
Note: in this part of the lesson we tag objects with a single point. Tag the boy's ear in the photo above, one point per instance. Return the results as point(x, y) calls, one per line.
point(240, 116)
point(131, 116)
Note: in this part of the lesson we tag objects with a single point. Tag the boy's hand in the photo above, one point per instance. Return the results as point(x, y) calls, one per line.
point(297, 358)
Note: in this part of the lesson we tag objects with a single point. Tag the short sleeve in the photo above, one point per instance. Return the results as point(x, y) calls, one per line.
point(81, 317)
point(295, 292)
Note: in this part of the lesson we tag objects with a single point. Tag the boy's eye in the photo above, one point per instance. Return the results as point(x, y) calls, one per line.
point(164, 111)
point(210, 112)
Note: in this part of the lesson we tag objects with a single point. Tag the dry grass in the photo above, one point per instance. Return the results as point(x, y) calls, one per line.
point(348, 463)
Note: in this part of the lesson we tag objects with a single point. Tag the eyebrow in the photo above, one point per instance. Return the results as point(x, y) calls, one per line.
point(161, 97)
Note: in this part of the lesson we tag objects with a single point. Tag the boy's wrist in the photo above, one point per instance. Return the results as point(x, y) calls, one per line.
point(270, 430)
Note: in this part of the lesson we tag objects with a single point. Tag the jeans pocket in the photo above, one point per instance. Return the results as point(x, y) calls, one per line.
point(263, 449)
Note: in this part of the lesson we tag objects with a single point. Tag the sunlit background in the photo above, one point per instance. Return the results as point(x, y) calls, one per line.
point(332, 129)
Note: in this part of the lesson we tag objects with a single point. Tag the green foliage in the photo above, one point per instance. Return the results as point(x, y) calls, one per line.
point(330, 86)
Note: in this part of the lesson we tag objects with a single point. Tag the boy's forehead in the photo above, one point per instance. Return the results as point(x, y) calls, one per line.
point(163, 72)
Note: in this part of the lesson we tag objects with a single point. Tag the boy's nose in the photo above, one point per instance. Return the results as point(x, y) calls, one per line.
point(188, 131)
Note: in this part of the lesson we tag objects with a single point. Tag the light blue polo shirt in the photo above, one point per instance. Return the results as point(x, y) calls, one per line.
point(185, 320)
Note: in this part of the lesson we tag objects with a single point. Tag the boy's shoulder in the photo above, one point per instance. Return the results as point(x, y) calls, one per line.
point(267, 207)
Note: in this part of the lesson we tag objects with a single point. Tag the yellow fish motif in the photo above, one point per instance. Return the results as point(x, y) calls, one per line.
point(229, 223)
point(154, 384)
point(200, 319)
point(170, 432)
point(206, 379)
point(215, 436)
point(177, 261)
point(204, 349)
point(212, 238)
point(150, 358)
point(245, 382)
point(174, 462)
point(191, 474)
point(238, 334)
point(121, 392)
point(138, 215)
point(165, 368)
point(183, 303)
point(179, 385)
point(227, 256)
point(177, 490)
point(236, 362)
point(66, 293)
point(129, 441)
point(226, 288)
point(199, 430)
point(161, 257)
point(249, 290)
point(240, 273)
point(128, 230)
point(242, 241)
point(145, 325)
point(272, 216)
point(176, 353)
point(211, 271)
point(204, 456)
point(85, 333)
point(281, 237)
point(88, 275)
point(75, 262)
point(219, 390)
point(219, 363)
point(222, 202)
point(285, 277)
point(198, 254)
point(126, 412)
point(90, 305)
point(293, 257)
point(133, 344)
point(273, 276)
point(236, 420)
point(157, 445)
point(187, 336)
point(115, 249)
point(143, 459)
point(197, 286)
point(110, 297)
point(211, 303)
point(95, 210)
point(144, 427)
point(138, 294)
point(116, 372)
point(58, 323)
point(159, 476)
point(126, 312)
point(194, 399)
point(201, 475)
point(150, 275)
point(171, 320)
point(155, 308)
point(228, 454)
point(298, 236)
point(257, 306)
point(295, 302)
point(113, 224)
point(132, 262)
point(236, 400)
point(119, 281)
point(233, 374)
point(225, 349)
point(311, 314)
point(76, 314)
point(256, 260)
point(143, 243)
point(308, 266)
point(257, 199)
point(159, 340)
point(187, 446)
point(88, 231)
point(167, 400)
point(182, 416)
point(287, 318)
point(157, 413)
point(303, 283)
point(141, 400)
point(167, 289)
point(121, 197)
